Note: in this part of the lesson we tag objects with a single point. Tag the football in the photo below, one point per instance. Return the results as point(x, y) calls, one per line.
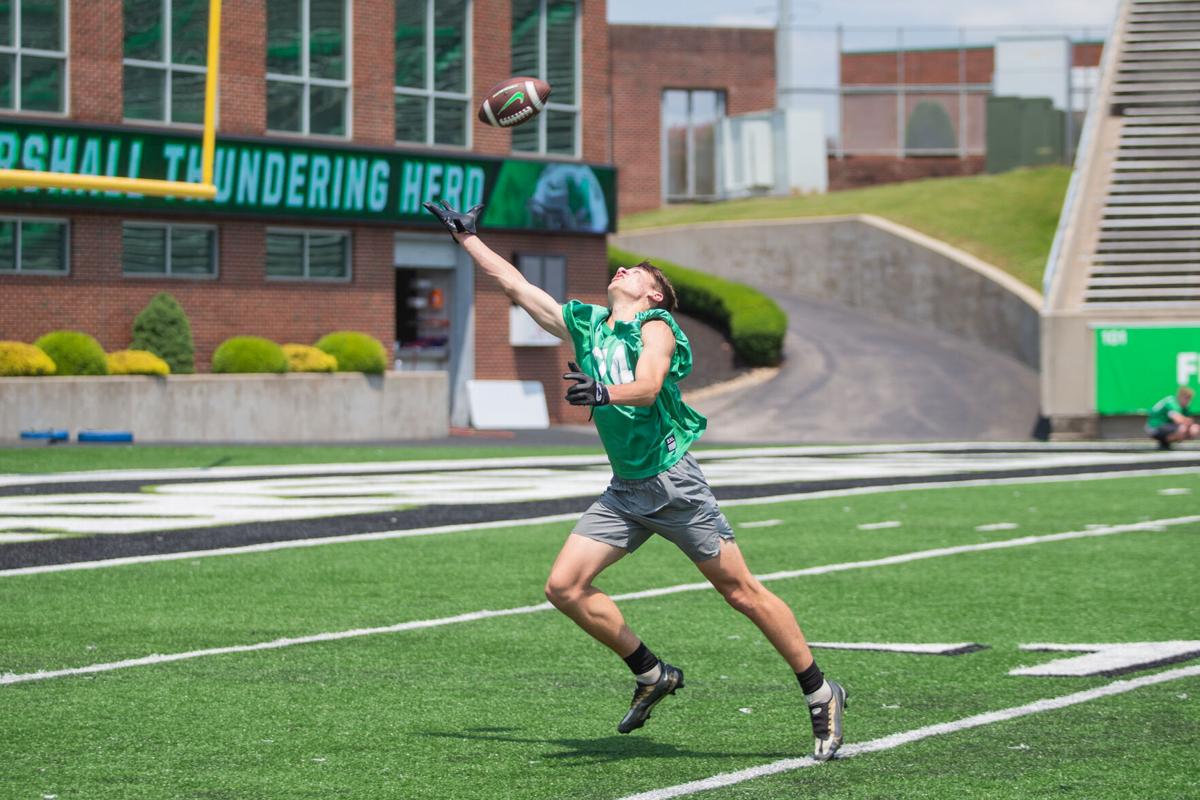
point(514, 101)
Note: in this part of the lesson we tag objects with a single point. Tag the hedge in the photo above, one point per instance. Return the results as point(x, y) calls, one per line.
point(18, 359)
point(162, 328)
point(302, 358)
point(355, 352)
point(136, 362)
point(74, 353)
point(249, 354)
point(754, 323)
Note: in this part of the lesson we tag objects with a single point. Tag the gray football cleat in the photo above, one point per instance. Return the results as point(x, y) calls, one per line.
point(647, 695)
point(827, 723)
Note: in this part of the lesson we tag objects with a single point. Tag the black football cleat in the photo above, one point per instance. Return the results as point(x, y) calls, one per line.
point(827, 723)
point(647, 695)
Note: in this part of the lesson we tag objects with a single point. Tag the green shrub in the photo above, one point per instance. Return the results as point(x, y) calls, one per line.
point(754, 323)
point(355, 352)
point(18, 359)
point(74, 353)
point(249, 354)
point(136, 362)
point(162, 328)
point(303, 358)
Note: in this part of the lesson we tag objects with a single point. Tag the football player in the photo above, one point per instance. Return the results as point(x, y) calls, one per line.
point(629, 358)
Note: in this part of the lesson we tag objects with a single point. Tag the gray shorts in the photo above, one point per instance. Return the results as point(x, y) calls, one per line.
point(676, 504)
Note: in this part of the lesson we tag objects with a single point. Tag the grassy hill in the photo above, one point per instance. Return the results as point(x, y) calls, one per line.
point(1007, 220)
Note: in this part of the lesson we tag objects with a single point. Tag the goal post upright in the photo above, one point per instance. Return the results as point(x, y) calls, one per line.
point(204, 190)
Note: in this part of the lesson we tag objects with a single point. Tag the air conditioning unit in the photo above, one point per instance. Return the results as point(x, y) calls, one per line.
point(773, 152)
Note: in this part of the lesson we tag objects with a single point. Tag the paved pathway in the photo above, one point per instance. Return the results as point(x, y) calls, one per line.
point(850, 377)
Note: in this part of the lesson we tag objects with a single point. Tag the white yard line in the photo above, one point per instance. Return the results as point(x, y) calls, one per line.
point(879, 526)
point(189, 473)
point(917, 734)
point(825, 569)
point(517, 523)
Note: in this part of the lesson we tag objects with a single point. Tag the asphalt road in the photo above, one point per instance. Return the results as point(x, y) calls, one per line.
point(850, 377)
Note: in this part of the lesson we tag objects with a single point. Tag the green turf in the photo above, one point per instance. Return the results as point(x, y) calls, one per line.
point(1008, 220)
point(85, 457)
point(525, 706)
point(71, 458)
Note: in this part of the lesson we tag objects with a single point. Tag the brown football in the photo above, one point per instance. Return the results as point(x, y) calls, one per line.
point(511, 102)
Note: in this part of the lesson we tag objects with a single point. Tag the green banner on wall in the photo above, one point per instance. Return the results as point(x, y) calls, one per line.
point(1138, 366)
point(274, 178)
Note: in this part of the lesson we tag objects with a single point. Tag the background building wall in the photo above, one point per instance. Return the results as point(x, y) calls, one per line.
point(646, 59)
point(96, 297)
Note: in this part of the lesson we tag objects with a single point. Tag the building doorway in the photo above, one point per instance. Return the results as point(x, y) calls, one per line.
point(434, 312)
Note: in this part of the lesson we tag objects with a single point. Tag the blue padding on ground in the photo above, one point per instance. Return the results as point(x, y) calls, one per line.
point(105, 436)
point(52, 435)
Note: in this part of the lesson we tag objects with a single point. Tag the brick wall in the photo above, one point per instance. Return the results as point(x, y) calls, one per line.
point(374, 71)
point(98, 299)
point(855, 172)
point(96, 49)
point(243, 69)
point(648, 59)
point(938, 66)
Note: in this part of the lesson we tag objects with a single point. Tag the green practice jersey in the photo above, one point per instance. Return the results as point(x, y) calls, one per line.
point(1161, 413)
point(641, 441)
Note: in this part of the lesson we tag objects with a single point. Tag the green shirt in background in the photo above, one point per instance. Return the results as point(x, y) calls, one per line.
point(641, 441)
point(1161, 413)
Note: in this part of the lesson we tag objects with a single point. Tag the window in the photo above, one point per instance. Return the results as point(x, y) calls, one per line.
point(156, 250)
point(433, 93)
point(545, 44)
point(33, 57)
point(313, 255)
point(166, 50)
point(308, 66)
point(690, 118)
point(33, 245)
point(546, 272)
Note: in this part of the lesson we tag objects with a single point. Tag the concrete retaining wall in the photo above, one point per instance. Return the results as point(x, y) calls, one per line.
point(863, 262)
point(343, 407)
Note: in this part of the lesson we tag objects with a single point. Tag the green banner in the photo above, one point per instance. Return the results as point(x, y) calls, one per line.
point(1138, 366)
point(272, 178)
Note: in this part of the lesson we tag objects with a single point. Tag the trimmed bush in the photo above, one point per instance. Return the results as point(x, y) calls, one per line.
point(136, 362)
point(302, 358)
point(249, 354)
point(74, 353)
point(754, 323)
point(162, 328)
point(355, 352)
point(18, 359)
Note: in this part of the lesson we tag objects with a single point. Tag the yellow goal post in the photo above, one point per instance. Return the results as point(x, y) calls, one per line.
point(205, 190)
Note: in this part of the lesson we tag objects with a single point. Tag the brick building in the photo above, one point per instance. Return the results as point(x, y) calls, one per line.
point(669, 86)
point(871, 84)
point(336, 119)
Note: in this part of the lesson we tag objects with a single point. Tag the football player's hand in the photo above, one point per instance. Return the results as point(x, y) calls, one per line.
point(458, 223)
point(586, 391)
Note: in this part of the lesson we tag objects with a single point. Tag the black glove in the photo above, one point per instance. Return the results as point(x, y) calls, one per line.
point(455, 221)
point(586, 391)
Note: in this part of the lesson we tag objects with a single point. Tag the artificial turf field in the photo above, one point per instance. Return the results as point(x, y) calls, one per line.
point(523, 705)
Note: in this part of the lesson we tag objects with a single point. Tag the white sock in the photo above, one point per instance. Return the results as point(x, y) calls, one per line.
point(822, 695)
point(652, 676)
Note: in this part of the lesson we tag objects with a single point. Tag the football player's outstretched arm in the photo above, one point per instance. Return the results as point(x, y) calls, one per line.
point(544, 309)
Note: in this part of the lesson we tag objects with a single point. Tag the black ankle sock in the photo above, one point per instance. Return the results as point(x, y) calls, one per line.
point(811, 679)
point(641, 660)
